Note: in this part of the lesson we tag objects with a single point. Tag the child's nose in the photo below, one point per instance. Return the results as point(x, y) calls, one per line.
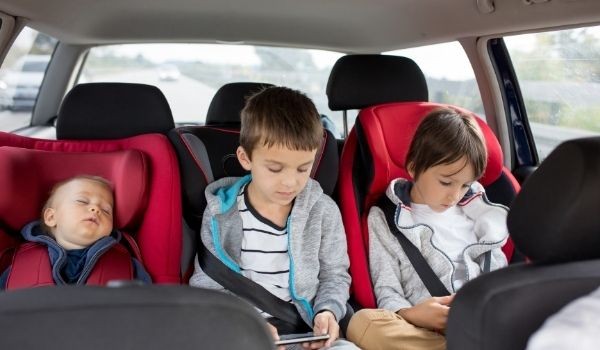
point(289, 181)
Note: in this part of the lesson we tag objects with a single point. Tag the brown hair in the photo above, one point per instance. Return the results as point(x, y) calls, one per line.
point(444, 136)
point(280, 116)
point(98, 179)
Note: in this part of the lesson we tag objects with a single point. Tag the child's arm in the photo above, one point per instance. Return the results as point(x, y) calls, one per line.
point(384, 264)
point(200, 278)
point(334, 280)
point(431, 313)
point(386, 275)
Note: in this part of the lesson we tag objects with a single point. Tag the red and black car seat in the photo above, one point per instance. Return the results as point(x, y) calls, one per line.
point(391, 94)
point(208, 153)
point(117, 131)
point(28, 176)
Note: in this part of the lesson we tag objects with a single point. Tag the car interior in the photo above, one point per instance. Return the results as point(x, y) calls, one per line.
point(149, 95)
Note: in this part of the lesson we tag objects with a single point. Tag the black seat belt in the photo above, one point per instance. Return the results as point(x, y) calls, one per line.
point(247, 289)
point(431, 281)
point(285, 316)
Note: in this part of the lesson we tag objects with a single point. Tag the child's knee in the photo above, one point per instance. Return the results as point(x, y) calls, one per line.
point(362, 323)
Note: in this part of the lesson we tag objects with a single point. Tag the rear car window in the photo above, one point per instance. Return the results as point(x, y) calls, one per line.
point(190, 74)
point(449, 74)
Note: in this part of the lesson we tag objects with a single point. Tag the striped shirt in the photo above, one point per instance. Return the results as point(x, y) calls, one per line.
point(264, 258)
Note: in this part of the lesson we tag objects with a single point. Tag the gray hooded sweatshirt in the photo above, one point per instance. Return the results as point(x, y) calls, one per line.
point(397, 284)
point(319, 278)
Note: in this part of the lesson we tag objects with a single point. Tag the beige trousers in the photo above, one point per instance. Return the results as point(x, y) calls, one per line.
point(378, 329)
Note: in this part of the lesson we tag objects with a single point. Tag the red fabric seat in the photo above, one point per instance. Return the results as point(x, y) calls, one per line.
point(375, 150)
point(139, 160)
point(142, 168)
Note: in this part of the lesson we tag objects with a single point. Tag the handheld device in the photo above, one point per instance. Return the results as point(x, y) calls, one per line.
point(287, 339)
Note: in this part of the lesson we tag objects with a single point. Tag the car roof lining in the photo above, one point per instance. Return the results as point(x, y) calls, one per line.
point(376, 25)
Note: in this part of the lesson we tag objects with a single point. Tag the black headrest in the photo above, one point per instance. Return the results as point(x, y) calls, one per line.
point(229, 101)
point(112, 111)
point(555, 217)
point(359, 81)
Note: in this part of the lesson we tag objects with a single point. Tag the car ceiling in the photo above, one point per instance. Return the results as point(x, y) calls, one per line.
point(341, 25)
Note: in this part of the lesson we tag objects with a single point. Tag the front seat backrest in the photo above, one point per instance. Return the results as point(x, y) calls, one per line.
point(149, 318)
point(553, 221)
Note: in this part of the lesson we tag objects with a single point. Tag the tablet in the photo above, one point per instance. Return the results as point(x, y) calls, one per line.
point(287, 339)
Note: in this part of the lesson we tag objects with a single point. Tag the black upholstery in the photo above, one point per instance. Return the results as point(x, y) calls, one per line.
point(360, 81)
point(150, 318)
point(228, 102)
point(208, 153)
point(562, 198)
point(500, 310)
point(113, 110)
point(554, 222)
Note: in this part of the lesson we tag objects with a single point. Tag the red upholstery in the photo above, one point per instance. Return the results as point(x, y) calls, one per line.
point(145, 173)
point(384, 136)
point(127, 170)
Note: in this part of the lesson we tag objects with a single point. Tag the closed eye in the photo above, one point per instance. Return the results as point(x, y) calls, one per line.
point(274, 170)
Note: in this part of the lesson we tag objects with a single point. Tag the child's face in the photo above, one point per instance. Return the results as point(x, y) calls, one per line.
point(278, 173)
point(442, 186)
point(80, 213)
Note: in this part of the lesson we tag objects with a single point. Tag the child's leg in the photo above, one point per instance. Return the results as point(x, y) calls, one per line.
point(377, 329)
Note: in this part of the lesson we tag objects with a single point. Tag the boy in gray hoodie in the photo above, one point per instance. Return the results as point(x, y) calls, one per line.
point(276, 226)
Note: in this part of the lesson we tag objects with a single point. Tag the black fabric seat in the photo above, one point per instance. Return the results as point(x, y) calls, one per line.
point(112, 111)
point(149, 318)
point(207, 153)
point(554, 221)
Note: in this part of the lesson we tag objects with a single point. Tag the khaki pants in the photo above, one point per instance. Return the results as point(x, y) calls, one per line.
point(377, 329)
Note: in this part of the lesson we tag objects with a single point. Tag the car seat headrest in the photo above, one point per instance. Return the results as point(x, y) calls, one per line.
point(555, 216)
point(389, 144)
point(228, 102)
point(359, 81)
point(113, 110)
point(28, 176)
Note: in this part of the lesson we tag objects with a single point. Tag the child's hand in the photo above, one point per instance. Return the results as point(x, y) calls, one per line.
point(431, 313)
point(325, 323)
point(275, 335)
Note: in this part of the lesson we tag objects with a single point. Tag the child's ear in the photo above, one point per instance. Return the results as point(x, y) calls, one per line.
point(411, 170)
point(243, 158)
point(49, 218)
